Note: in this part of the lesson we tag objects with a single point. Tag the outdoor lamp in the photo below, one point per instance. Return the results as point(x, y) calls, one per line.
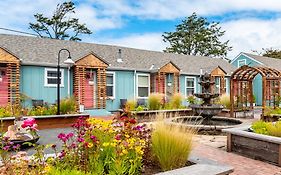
point(69, 62)
point(169, 80)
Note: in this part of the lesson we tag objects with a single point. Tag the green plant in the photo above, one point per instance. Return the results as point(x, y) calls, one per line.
point(68, 105)
point(155, 101)
point(274, 129)
point(224, 100)
point(176, 101)
point(171, 145)
point(130, 105)
point(260, 127)
point(140, 108)
point(191, 99)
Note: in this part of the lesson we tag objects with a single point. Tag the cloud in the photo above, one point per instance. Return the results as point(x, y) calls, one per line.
point(147, 41)
point(250, 34)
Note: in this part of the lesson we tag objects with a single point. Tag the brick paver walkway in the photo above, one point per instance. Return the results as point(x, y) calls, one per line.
point(242, 165)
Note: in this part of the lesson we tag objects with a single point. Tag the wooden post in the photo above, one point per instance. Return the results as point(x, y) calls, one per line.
point(263, 94)
point(229, 143)
point(279, 160)
point(232, 97)
point(251, 94)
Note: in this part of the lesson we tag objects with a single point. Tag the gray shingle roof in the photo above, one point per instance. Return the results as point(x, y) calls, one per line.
point(32, 50)
point(267, 61)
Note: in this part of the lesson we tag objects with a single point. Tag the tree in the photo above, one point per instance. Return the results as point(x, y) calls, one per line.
point(273, 53)
point(196, 36)
point(60, 25)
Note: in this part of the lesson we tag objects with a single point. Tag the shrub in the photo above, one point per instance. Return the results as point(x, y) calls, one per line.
point(274, 129)
point(68, 105)
point(140, 108)
point(131, 105)
point(171, 145)
point(191, 99)
point(269, 110)
point(260, 127)
point(155, 101)
point(176, 101)
point(225, 101)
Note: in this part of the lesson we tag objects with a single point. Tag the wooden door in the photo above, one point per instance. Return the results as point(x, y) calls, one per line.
point(3, 86)
point(89, 85)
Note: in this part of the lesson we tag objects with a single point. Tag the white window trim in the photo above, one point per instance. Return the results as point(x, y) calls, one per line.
point(226, 85)
point(137, 87)
point(185, 85)
point(114, 84)
point(238, 62)
point(218, 86)
point(46, 80)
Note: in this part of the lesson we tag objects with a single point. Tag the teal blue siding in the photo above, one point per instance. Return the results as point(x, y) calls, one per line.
point(249, 62)
point(32, 85)
point(124, 89)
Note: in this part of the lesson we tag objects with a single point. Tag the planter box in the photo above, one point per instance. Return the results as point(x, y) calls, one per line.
point(46, 122)
point(142, 116)
point(202, 166)
point(256, 146)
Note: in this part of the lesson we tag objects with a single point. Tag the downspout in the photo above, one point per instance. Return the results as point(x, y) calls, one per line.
point(135, 73)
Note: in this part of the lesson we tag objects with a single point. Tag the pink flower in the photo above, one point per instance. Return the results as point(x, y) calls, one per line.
point(70, 135)
point(62, 137)
point(29, 122)
point(118, 137)
point(94, 138)
point(80, 139)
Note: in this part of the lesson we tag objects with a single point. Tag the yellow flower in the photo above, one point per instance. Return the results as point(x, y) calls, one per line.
point(124, 151)
point(105, 144)
point(90, 145)
point(113, 144)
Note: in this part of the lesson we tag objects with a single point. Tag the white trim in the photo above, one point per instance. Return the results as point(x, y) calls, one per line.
point(46, 78)
point(185, 85)
point(241, 53)
point(114, 84)
point(137, 82)
point(226, 81)
point(218, 86)
point(239, 64)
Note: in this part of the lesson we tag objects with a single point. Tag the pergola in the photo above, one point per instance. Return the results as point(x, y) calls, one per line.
point(241, 87)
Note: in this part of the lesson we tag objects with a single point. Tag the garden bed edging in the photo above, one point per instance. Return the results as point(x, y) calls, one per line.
point(253, 145)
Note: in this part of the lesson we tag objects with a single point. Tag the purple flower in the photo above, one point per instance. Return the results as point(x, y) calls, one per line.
point(62, 154)
point(94, 138)
point(69, 135)
point(16, 147)
point(62, 137)
point(6, 148)
point(80, 139)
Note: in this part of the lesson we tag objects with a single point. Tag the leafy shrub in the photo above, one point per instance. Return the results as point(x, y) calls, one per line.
point(274, 129)
point(140, 108)
point(131, 105)
point(171, 145)
point(267, 128)
point(191, 99)
point(176, 101)
point(224, 100)
point(155, 101)
point(68, 105)
point(260, 127)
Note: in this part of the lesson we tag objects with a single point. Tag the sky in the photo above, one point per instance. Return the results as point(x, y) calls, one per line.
point(249, 24)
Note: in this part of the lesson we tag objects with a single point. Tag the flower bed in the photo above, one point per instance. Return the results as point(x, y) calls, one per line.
point(253, 145)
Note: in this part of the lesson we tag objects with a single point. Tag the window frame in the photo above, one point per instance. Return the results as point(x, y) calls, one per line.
point(46, 84)
point(114, 84)
point(239, 64)
point(226, 85)
point(137, 85)
point(185, 84)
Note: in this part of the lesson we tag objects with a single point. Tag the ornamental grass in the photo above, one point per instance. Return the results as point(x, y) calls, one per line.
point(155, 101)
point(171, 145)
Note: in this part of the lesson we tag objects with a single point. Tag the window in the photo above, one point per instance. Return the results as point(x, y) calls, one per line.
point(241, 62)
point(225, 85)
point(143, 85)
point(51, 77)
point(189, 86)
point(217, 85)
point(110, 84)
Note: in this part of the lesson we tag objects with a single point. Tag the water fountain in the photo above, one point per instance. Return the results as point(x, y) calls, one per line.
point(205, 114)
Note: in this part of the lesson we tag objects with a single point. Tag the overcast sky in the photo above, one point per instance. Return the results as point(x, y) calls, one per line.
point(249, 24)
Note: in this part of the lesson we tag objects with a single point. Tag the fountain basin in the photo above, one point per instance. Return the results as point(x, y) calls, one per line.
point(199, 123)
point(206, 111)
point(207, 95)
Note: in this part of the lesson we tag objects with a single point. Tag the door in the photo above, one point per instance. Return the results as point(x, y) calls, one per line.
point(89, 85)
point(3, 86)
